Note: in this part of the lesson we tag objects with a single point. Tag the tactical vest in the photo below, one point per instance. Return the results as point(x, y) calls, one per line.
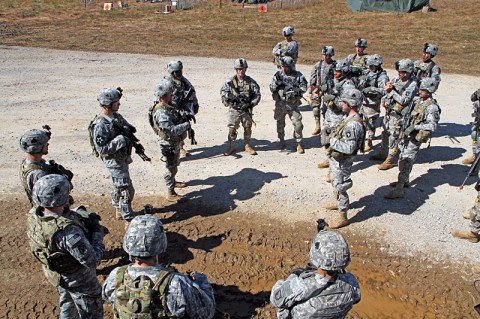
point(416, 118)
point(338, 132)
point(40, 232)
point(283, 45)
point(176, 118)
point(425, 69)
point(328, 78)
point(142, 298)
point(27, 168)
point(246, 86)
point(357, 61)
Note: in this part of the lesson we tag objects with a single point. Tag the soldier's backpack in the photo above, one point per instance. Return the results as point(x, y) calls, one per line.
point(91, 128)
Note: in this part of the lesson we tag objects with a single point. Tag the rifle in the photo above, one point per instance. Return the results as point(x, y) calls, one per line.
point(59, 169)
point(129, 132)
point(406, 119)
point(187, 113)
point(471, 170)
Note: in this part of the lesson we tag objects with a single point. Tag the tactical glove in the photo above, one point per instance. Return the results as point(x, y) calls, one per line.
point(409, 130)
point(324, 88)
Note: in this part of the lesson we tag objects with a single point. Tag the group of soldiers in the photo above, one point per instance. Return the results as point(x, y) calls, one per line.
point(348, 94)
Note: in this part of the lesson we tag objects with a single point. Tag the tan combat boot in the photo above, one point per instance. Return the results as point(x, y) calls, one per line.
point(183, 152)
point(318, 127)
point(180, 185)
point(300, 149)
point(250, 150)
point(469, 160)
point(469, 214)
point(328, 178)
point(324, 164)
point(387, 164)
point(368, 145)
point(339, 221)
point(331, 206)
point(172, 196)
point(397, 192)
point(231, 148)
point(247, 135)
point(118, 214)
point(465, 234)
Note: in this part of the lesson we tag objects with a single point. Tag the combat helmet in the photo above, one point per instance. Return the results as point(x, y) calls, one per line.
point(375, 60)
point(429, 84)
point(145, 237)
point(163, 87)
point(329, 251)
point(404, 65)
point(51, 191)
point(288, 30)
point(108, 96)
point(343, 65)
point(240, 63)
point(328, 50)
point(430, 48)
point(287, 61)
point(352, 97)
point(33, 141)
point(174, 66)
point(361, 43)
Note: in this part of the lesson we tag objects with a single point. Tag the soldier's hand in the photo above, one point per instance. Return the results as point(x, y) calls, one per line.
point(368, 90)
point(409, 130)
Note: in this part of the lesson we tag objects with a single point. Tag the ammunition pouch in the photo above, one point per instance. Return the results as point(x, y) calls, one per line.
point(169, 154)
point(337, 155)
point(397, 107)
point(423, 136)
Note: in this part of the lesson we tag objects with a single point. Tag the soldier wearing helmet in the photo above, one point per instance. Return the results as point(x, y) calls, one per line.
point(399, 94)
point(358, 60)
point(418, 129)
point(165, 293)
point(373, 89)
point(321, 83)
point(346, 140)
point(324, 290)
point(288, 86)
point(184, 95)
point(35, 144)
point(475, 98)
point(287, 47)
point(108, 136)
point(426, 67)
point(68, 247)
point(240, 94)
point(171, 126)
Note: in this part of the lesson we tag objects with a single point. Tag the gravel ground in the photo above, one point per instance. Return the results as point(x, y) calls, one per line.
point(42, 86)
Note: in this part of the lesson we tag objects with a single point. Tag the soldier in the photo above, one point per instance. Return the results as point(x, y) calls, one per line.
point(68, 248)
point(35, 143)
point(108, 133)
point(288, 86)
point(358, 60)
point(400, 93)
point(164, 292)
point(240, 94)
point(416, 129)
point(171, 126)
point(184, 95)
point(324, 289)
point(475, 98)
point(427, 68)
point(321, 83)
point(346, 140)
point(373, 89)
point(287, 47)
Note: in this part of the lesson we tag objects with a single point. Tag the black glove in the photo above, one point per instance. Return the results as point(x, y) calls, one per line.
point(189, 117)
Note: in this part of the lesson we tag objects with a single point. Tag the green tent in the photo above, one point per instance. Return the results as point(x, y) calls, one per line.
point(387, 5)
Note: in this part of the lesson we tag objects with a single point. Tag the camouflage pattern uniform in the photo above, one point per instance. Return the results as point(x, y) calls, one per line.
point(475, 98)
point(287, 47)
point(427, 68)
point(181, 87)
point(321, 83)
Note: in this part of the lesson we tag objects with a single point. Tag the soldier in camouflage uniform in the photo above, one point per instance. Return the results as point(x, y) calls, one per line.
point(345, 141)
point(171, 126)
point(475, 98)
point(427, 68)
point(68, 247)
point(321, 83)
point(423, 121)
point(109, 131)
point(373, 89)
point(287, 47)
point(358, 60)
point(288, 87)
point(240, 94)
point(184, 95)
point(322, 291)
point(165, 293)
point(400, 93)
point(35, 143)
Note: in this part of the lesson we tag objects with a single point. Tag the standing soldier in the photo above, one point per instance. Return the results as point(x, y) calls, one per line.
point(358, 60)
point(475, 98)
point(373, 89)
point(288, 86)
point(163, 292)
point(184, 95)
point(68, 248)
point(324, 289)
point(108, 134)
point(321, 83)
point(417, 128)
point(240, 94)
point(400, 93)
point(287, 47)
point(427, 68)
point(35, 143)
point(171, 126)
point(346, 140)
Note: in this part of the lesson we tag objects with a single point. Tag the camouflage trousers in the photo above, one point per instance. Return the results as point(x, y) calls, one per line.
point(123, 190)
point(318, 106)
point(370, 115)
point(409, 148)
point(235, 117)
point(280, 112)
point(341, 170)
point(171, 157)
point(475, 140)
point(392, 124)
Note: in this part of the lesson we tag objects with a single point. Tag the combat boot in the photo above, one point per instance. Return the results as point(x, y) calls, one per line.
point(328, 178)
point(339, 221)
point(183, 152)
point(368, 145)
point(300, 149)
point(387, 164)
point(247, 135)
point(470, 160)
point(324, 164)
point(465, 234)
point(118, 214)
point(469, 214)
point(180, 185)
point(331, 206)
point(405, 185)
point(318, 127)
point(172, 196)
point(397, 192)
point(281, 143)
point(231, 148)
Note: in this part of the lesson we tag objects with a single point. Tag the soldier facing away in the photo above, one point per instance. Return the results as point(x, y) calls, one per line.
point(324, 290)
point(68, 247)
point(287, 47)
point(164, 292)
point(240, 94)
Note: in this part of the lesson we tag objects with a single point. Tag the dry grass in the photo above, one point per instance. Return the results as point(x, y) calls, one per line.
point(230, 32)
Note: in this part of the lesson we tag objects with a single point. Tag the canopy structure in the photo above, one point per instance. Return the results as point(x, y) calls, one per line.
point(387, 5)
